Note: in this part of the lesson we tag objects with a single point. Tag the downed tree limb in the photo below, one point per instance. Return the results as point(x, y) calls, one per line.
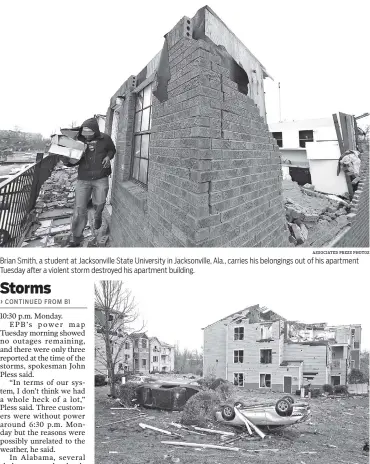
point(218, 432)
point(199, 445)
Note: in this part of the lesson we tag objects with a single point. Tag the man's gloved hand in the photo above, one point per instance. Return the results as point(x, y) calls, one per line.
point(106, 162)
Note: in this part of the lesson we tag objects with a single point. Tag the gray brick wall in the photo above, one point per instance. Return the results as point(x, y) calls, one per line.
point(214, 169)
point(357, 234)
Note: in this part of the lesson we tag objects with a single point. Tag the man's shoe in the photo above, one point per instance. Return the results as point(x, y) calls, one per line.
point(73, 244)
point(97, 223)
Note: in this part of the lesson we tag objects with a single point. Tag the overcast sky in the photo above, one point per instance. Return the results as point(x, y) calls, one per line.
point(62, 60)
point(176, 308)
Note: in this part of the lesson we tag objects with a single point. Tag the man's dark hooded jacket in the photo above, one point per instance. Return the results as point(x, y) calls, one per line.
point(90, 166)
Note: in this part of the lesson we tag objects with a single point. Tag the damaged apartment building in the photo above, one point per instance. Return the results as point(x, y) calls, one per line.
point(257, 349)
point(196, 164)
point(137, 353)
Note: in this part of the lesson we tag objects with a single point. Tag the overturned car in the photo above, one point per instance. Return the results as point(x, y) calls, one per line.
point(169, 396)
point(270, 414)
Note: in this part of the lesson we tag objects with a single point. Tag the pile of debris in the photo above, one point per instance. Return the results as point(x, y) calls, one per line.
point(53, 213)
point(314, 219)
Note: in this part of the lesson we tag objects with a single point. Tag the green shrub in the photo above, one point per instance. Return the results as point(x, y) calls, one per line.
point(200, 408)
point(341, 389)
point(127, 393)
point(99, 380)
point(327, 388)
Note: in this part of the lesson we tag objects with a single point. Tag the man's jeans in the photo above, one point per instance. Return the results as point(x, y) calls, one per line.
point(98, 189)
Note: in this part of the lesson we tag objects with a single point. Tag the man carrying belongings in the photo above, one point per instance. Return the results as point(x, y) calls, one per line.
point(93, 172)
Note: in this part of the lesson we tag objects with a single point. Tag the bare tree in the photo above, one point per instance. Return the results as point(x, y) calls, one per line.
point(188, 362)
point(115, 312)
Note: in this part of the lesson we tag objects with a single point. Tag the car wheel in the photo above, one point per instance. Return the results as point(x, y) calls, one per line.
point(288, 398)
point(228, 412)
point(239, 404)
point(284, 408)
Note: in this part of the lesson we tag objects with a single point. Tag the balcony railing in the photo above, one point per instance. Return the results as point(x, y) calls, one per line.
point(18, 197)
point(338, 363)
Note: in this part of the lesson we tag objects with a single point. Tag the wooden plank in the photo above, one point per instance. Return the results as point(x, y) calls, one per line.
point(356, 131)
point(349, 184)
point(219, 432)
point(242, 418)
point(345, 136)
point(254, 427)
point(351, 132)
point(150, 427)
point(199, 445)
point(339, 135)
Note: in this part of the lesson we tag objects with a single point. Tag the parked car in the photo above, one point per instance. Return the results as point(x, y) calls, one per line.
point(169, 396)
point(138, 378)
point(282, 413)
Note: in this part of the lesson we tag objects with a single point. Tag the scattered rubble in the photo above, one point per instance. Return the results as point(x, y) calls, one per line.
point(333, 436)
point(314, 219)
point(53, 213)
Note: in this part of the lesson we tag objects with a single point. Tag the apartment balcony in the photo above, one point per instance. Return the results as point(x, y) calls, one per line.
point(338, 364)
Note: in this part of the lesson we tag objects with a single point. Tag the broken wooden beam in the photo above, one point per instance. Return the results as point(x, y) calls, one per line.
point(247, 421)
point(156, 429)
point(179, 426)
point(242, 418)
point(199, 445)
point(140, 416)
point(218, 432)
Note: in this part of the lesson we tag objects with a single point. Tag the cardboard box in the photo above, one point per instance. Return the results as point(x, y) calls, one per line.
point(65, 146)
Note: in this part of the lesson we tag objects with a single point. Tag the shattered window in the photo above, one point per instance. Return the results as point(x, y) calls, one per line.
point(143, 363)
point(127, 346)
point(305, 136)
point(239, 379)
point(155, 359)
point(239, 333)
point(265, 380)
point(142, 128)
point(266, 356)
point(238, 356)
point(265, 332)
point(278, 136)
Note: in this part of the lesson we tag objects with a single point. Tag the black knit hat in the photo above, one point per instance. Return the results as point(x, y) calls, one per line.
point(92, 124)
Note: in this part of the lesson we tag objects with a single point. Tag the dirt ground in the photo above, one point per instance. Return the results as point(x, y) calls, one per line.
point(335, 434)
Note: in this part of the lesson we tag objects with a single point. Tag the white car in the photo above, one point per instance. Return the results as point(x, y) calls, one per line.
point(283, 412)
